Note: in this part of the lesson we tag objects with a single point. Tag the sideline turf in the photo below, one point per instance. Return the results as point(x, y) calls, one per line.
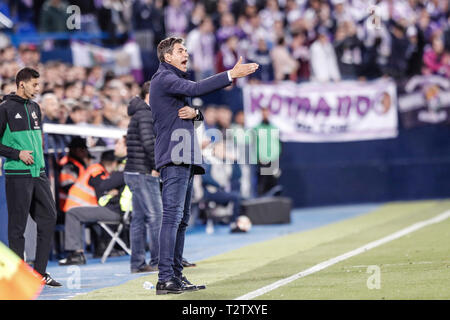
point(416, 266)
point(232, 274)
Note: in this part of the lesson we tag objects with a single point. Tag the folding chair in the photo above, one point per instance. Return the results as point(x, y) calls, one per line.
point(115, 236)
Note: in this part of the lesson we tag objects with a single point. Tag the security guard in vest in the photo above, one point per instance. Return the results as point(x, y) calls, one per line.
point(82, 193)
point(72, 166)
point(100, 194)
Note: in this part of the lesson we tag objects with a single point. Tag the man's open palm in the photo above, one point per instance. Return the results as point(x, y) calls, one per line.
point(241, 70)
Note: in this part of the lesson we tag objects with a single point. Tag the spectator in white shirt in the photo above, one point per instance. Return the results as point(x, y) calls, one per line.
point(324, 64)
point(200, 43)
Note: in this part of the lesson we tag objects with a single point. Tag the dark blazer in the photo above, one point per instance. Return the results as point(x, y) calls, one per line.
point(169, 91)
point(140, 138)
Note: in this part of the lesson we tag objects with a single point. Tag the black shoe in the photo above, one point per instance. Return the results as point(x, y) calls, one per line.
point(145, 268)
point(235, 229)
point(74, 258)
point(49, 281)
point(99, 250)
point(187, 264)
point(173, 285)
point(116, 253)
point(188, 286)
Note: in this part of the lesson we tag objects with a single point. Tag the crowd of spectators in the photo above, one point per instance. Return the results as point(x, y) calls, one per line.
point(71, 94)
point(318, 40)
point(298, 40)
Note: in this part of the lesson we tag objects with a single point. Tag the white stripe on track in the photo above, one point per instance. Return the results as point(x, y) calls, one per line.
point(330, 262)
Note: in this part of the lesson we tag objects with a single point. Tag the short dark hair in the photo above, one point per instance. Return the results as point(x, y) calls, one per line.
point(77, 142)
point(108, 157)
point(69, 84)
point(26, 74)
point(145, 89)
point(76, 108)
point(166, 46)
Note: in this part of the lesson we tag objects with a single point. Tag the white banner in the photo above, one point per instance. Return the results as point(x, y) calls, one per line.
point(122, 60)
point(326, 112)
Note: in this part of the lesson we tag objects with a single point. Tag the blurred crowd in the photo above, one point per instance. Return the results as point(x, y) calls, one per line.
point(295, 40)
point(319, 40)
point(71, 94)
point(298, 40)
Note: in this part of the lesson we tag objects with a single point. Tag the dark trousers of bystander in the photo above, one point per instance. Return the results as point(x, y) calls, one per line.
point(29, 195)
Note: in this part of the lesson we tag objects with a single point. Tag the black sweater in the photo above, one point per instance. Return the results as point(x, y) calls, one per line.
point(140, 138)
point(103, 186)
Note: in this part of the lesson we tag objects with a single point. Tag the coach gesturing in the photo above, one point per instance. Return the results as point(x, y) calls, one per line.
point(173, 125)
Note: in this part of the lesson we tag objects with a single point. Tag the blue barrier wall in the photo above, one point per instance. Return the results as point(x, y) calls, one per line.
point(3, 209)
point(415, 165)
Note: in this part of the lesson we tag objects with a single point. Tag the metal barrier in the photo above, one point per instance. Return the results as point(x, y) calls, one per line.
point(17, 39)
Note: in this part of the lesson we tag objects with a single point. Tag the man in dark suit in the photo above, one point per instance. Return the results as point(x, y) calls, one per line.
point(178, 161)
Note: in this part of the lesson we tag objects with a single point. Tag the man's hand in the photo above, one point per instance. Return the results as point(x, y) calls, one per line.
point(155, 173)
point(113, 192)
point(186, 113)
point(241, 70)
point(26, 157)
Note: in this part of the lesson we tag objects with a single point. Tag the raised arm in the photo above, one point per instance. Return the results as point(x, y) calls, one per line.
point(176, 85)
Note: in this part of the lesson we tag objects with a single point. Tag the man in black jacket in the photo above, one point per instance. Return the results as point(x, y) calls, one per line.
point(143, 181)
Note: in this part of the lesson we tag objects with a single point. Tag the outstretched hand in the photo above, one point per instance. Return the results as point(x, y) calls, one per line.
point(241, 70)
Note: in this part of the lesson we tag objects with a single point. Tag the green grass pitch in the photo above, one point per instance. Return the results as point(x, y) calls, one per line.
point(416, 266)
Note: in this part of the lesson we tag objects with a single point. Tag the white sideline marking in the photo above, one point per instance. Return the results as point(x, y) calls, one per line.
point(330, 262)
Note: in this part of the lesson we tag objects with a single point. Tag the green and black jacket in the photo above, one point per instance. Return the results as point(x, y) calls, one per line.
point(21, 129)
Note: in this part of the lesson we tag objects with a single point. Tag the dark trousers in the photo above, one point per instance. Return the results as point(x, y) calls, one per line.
point(223, 198)
point(145, 218)
point(265, 182)
point(176, 200)
point(28, 195)
point(75, 217)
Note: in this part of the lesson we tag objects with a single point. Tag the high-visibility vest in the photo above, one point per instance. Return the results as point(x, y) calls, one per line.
point(81, 194)
point(66, 178)
point(125, 200)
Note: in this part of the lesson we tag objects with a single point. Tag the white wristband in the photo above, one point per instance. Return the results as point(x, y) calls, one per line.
point(229, 76)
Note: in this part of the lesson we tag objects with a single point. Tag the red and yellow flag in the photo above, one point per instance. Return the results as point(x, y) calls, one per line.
point(18, 281)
